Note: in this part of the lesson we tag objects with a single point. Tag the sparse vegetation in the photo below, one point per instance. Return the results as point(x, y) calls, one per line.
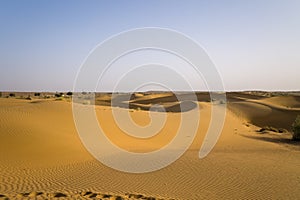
point(59, 99)
point(272, 129)
point(296, 128)
point(59, 94)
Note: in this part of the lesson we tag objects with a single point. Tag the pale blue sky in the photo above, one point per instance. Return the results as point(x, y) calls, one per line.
point(254, 44)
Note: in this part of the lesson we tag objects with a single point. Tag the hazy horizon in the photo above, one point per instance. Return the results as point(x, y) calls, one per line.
point(254, 45)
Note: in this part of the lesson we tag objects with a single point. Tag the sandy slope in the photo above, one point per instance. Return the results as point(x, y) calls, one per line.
point(279, 112)
point(40, 151)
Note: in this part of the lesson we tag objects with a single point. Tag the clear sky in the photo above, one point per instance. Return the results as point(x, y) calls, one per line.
point(254, 44)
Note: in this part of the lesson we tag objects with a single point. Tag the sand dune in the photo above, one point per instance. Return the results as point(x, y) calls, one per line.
point(287, 102)
point(279, 112)
point(41, 154)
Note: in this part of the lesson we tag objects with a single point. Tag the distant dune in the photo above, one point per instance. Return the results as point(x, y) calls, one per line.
point(279, 111)
point(42, 156)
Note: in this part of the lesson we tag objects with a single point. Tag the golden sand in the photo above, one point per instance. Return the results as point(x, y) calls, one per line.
point(41, 154)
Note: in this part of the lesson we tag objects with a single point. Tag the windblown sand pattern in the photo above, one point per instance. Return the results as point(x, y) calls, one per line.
point(42, 157)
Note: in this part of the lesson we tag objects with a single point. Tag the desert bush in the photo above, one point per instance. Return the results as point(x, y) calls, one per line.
point(12, 95)
point(59, 99)
point(296, 128)
point(37, 94)
point(0, 94)
point(58, 94)
point(265, 129)
point(69, 93)
point(28, 98)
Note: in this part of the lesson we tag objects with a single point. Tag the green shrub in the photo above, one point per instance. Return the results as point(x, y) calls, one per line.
point(296, 128)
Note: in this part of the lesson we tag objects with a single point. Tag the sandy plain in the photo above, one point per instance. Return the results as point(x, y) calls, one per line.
point(42, 156)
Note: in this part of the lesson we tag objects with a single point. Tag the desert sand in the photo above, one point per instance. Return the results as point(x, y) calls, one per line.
point(42, 156)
